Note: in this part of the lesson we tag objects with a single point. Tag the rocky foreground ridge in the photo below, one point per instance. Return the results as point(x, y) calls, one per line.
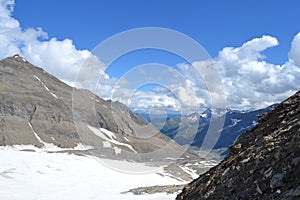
point(264, 163)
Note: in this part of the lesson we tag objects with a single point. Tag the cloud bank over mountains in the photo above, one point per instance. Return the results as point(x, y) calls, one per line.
point(252, 82)
point(249, 80)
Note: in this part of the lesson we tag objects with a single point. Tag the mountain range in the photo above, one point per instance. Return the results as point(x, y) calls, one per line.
point(236, 122)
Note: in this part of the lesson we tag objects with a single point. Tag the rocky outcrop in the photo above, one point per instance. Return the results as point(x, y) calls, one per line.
point(264, 163)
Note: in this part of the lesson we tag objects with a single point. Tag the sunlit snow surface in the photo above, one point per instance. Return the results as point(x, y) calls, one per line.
point(46, 176)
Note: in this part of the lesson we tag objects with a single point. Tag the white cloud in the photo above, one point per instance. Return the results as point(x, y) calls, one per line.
point(145, 100)
point(60, 58)
point(6, 9)
point(250, 81)
point(294, 54)
point(232, 59)
point(13, 38)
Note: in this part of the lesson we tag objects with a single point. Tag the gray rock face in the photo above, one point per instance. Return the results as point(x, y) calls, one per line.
point(37, 109)
point(263, 163)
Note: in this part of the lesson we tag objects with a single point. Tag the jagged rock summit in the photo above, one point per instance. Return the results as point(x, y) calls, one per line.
point(264, 163)
point(37, 109)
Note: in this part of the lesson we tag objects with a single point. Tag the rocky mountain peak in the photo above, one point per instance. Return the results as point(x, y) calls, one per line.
point(16, 60)
point(264, 163)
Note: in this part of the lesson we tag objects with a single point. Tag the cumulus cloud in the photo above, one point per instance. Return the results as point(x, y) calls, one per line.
point(294, 54)
point(235, 60)
point(60, 58)
point(141, 100)
point(251, 82)
point(12, 37)
point(6, 9)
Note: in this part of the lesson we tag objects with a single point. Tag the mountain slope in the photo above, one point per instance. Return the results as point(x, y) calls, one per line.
point(38, 109)
point(264, 163)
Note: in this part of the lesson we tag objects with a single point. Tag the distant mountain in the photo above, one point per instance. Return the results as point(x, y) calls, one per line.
point(236, 122)
point(38, 109)
point(264, 162)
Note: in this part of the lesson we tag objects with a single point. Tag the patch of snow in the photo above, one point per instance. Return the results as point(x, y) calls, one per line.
point(106, 144)
point(36, 135)
point(189, 171)
point(234, 122)
point(117, 150)
point(126, 139)
point(60, 176)
point(92, 98)
point(170, 158)
point(80, 147)
point(46, 88)
point(54, 95)
point(193, 118)
point(203, 115)
point(52, 147)
point(37, 78)
point(109, 136)
point(204, 164)
point(17, 56)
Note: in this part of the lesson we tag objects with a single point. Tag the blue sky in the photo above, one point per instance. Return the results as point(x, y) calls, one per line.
point(255, 46)
point(213, 23)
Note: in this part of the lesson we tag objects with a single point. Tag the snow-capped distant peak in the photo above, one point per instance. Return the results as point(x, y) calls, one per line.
point(203, 115)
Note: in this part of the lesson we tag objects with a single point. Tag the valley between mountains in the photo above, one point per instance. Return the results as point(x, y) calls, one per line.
point(54, 144)
point(59, 142)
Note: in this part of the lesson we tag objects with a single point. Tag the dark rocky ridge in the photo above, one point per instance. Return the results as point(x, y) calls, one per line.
point(264, 163)
point(30, 97)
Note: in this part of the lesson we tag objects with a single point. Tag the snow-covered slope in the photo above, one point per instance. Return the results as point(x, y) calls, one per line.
point(36, 174)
